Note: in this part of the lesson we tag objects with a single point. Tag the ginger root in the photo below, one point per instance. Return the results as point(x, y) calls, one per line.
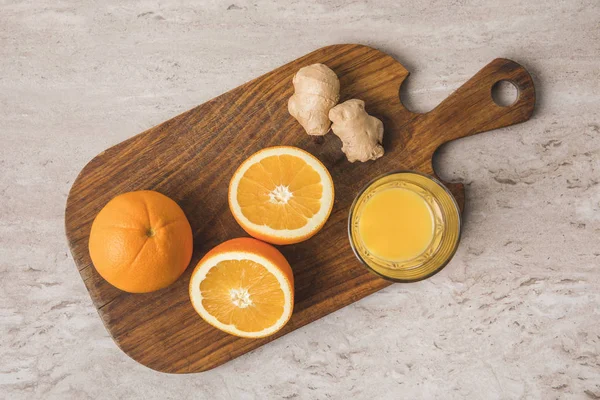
point(361, 133)
point(316, 91)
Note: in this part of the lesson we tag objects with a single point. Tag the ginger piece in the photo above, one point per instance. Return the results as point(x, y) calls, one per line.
point(316, 91)
point(361, 133)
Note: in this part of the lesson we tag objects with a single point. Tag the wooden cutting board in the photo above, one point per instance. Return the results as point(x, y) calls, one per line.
point(192, 157)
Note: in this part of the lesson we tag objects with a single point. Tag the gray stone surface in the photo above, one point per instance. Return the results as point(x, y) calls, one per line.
point(515, 315)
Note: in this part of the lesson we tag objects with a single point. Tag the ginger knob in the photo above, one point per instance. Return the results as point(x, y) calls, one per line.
point(361, 133)
point(316, 91)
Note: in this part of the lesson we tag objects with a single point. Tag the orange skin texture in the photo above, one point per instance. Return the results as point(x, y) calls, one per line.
point(141, 241)
point(254, 246)
point(273, 239)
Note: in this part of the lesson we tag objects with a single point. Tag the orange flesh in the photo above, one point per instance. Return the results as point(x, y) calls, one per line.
point(396, 225)
point(282, 192)
point(242, 293)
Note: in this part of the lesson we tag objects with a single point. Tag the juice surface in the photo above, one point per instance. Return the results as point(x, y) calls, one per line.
point(396, 224)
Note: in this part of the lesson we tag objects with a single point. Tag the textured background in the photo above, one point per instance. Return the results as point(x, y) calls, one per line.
point(515, 315)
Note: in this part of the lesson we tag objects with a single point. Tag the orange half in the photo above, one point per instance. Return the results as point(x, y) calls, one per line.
point(244, 287)
point(282, 195)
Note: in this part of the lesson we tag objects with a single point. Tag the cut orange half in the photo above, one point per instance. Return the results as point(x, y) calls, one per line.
point(282, 195)
point(244, 287)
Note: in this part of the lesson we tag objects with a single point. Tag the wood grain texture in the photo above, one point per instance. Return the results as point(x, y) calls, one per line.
point(191, 158)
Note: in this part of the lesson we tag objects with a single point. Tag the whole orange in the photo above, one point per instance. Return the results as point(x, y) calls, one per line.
point(141, 241)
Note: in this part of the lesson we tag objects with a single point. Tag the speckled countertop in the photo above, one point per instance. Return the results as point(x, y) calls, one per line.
point(516, 314)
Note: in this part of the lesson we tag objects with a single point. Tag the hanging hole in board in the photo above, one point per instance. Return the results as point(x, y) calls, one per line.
point(505, 93)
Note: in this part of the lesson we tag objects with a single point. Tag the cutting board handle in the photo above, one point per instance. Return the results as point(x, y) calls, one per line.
point(471, 109)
